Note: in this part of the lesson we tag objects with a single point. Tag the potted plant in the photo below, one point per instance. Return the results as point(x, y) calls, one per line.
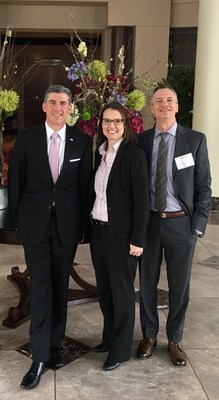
point(9, 102)
point(12, 78)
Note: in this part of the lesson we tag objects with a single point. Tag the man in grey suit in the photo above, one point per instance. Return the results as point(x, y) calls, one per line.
point(174, 225)
point(49, 214)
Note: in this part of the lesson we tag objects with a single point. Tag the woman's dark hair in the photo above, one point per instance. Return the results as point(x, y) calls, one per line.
point(129, 135)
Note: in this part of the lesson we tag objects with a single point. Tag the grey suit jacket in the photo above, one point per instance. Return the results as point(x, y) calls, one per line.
point(32, 192)
point(191, 185)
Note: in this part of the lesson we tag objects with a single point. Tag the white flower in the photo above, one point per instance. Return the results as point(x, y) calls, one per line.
point(73, 116)
point(82, 49)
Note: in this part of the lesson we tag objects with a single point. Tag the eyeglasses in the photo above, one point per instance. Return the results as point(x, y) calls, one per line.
point(116, 121)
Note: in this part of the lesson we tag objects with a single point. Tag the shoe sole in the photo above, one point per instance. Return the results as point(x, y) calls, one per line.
point(178, 365)
point(144, 357)
point(111, 368)
point(56, 366)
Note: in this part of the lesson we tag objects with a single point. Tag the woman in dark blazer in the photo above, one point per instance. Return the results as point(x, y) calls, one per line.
point(119, 216)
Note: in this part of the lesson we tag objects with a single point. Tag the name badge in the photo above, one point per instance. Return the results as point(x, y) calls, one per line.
point(184, 161)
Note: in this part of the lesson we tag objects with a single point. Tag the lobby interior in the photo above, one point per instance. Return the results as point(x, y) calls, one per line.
point(82, 377)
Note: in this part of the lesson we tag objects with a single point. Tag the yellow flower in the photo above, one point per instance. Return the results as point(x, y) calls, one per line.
point(82, 49)
point(9, 100)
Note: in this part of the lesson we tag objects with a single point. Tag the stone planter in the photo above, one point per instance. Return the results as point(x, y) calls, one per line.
point(3, 199)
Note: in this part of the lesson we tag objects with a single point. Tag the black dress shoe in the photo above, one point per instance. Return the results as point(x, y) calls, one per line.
point(101, 348)
point(109, 366)
point(32, 377)
point(56, 358)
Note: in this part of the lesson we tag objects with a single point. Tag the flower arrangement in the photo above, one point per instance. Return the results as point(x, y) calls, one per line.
point(9, 100)
point(96, 86)
point(11, 79)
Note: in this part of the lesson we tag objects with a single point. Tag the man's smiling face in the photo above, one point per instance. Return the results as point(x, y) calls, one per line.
point(56, 107)
point(164, 105)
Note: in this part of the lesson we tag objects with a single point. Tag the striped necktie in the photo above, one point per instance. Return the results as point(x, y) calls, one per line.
point(54, 156)
point(161, 175)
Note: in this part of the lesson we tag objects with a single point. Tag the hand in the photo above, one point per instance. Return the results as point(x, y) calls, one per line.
point(135, 250)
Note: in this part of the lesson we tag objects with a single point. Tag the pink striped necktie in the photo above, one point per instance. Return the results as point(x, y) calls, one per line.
point(54, 156)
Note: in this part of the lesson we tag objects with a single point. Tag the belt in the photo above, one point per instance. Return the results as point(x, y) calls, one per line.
point(98, 222)
point(168, 214)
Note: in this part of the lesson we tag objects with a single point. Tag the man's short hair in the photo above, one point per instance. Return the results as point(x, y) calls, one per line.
point(58, 89)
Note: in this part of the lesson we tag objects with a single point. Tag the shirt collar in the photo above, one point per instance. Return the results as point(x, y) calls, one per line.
point(102, 147)
point(50, 131)
point(171, 130)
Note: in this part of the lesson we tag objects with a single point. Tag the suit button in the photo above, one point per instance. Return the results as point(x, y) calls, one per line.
point(109, 209)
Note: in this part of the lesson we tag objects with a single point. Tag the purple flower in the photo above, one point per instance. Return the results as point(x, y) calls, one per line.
point(118, 97)
point(77, 70)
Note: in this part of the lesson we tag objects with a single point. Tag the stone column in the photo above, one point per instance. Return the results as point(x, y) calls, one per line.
point(206, 94)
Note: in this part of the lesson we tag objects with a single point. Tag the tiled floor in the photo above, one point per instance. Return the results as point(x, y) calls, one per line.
point(152, 379)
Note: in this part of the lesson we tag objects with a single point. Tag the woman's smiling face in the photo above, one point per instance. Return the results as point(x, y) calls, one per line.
point(112, 125)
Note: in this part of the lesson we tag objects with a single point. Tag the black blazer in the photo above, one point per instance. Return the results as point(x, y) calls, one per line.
point(127, 194)
point(191, 185)
point(32, 192)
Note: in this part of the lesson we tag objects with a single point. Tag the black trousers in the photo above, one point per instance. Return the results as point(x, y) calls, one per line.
point(174, 239)
point(48, 265)
point(115, 273)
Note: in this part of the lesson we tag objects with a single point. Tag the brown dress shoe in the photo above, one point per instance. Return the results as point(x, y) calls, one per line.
point(145, 348)
point(177, 354)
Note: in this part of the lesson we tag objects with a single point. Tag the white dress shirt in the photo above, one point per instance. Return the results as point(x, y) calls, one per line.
point(101, 179)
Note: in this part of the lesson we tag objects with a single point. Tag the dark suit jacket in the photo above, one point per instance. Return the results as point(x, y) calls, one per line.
point(32, 192)
point(127, 194)
point(191, 185)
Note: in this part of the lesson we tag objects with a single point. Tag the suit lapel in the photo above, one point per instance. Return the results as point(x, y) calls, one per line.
point(181, 140)
point(118, 157)
point(70, 149)
point(42, 150)
point(149, 140)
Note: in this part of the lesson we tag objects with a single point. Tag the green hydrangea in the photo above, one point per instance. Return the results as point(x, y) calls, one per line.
point(9, 100)
point(86, 116)
point(96, 70)
point(135, 100)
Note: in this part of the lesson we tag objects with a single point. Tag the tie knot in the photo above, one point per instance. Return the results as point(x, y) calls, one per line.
point(163, 134)
point(54, 136)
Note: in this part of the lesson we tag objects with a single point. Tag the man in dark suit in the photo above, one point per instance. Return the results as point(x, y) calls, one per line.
point(48, 213)
point(174, 225)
